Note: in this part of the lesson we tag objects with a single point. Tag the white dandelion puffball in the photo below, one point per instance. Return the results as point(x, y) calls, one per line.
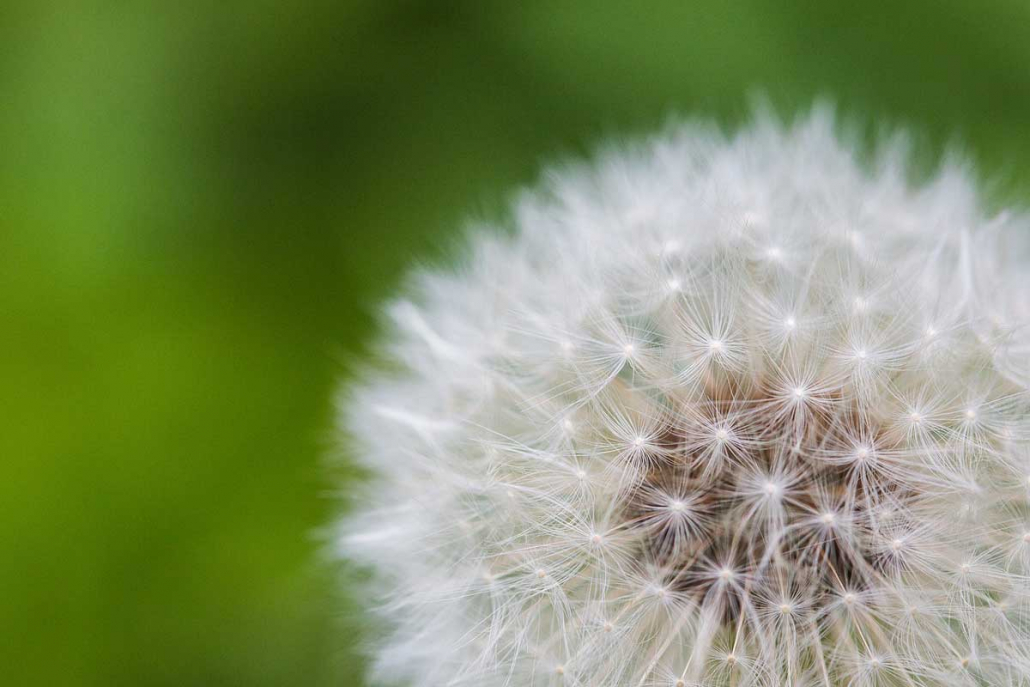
point(734, 411)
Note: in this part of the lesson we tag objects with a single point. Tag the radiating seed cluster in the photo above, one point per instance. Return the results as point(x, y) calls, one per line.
point(721, 411)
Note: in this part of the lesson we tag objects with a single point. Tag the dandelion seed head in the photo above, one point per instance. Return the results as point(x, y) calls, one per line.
point(687, 424)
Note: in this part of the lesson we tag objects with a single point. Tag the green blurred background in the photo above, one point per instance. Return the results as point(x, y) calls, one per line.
point(201, 202)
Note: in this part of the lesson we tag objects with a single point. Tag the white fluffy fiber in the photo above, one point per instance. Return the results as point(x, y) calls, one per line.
point(720, 410)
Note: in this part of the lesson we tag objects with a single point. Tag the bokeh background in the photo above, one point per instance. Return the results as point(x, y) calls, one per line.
point(201, 203)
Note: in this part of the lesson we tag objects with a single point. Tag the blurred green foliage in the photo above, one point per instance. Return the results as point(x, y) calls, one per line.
point(201, 202)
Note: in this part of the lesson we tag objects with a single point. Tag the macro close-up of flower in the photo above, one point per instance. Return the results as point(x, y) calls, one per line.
point(738, 409)
point(410, 343)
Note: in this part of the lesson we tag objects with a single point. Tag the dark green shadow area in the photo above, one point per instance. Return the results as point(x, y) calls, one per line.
point(202, 202)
